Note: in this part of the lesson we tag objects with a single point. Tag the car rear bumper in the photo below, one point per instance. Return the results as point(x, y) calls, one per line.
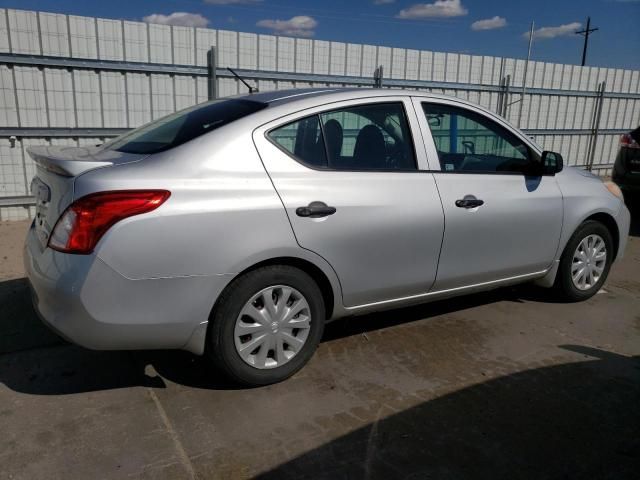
point(88, 303)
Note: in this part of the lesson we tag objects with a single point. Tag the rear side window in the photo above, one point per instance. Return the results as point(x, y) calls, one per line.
point(180, 127)
point(303, 139)
point(365, 137)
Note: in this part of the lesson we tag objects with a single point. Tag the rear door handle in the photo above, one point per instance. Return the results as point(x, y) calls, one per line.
point(315, 210)
point(469, 203)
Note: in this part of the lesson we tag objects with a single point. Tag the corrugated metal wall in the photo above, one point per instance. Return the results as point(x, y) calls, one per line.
point(66, 79)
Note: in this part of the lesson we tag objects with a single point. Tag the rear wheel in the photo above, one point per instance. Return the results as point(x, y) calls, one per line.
point(266, 325)
point(585, 263)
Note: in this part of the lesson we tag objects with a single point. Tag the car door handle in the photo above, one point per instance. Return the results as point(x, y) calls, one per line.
point(315, 210)
point(469, 203)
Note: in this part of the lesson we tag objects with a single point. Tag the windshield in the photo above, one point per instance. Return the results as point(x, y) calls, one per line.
point(182, 126)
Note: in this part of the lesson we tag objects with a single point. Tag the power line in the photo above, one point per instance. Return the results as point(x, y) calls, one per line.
point(586, 32)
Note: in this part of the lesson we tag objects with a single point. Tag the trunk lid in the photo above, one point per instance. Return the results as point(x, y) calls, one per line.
point(57, 168)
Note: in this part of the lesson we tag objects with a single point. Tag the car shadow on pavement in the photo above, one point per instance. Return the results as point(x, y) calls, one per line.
point(346, 327)
point(20, 327)
point(571, 421)
point(34, 360)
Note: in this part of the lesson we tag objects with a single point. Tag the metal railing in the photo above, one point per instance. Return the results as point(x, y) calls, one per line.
point(212, 72)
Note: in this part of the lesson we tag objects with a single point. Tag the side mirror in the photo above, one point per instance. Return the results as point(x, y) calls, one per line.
point(552, 162)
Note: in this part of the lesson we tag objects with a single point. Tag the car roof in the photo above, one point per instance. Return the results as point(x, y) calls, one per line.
point(301, 98)
point(295, 95)
point(295, 99)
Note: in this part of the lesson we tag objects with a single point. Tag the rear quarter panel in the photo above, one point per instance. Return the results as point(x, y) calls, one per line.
point(223, 215)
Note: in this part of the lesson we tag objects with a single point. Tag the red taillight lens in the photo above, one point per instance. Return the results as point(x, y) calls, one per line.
point(85, 221)
point(627, 140)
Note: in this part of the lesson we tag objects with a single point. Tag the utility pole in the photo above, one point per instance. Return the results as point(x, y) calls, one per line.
point(524, 77)
point(586, 32)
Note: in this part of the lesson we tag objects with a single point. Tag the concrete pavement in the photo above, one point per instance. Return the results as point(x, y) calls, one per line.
point(505, 384)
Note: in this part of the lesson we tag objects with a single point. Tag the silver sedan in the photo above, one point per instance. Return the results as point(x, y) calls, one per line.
point(238, 228)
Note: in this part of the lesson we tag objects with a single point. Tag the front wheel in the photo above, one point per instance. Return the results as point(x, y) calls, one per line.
point(266, 325)
point(585, 263)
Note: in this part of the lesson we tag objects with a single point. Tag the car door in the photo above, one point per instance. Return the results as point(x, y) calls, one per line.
point(502, 217)
point(348, 177)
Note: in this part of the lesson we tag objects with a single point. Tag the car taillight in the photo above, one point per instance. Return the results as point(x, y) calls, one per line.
point(627, 141)
point(85, 221)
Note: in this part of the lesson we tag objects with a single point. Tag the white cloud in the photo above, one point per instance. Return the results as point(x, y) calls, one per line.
point(232, 2)
point(489, 23)
point(553, 32)
point(182, 19)
point(298, 26)
point(439, 8)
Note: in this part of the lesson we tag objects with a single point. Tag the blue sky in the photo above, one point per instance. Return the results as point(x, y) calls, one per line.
point(485, 27)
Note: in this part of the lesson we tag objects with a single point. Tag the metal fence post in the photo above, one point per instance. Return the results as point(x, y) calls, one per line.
point(377, 77)
point(503, 96)
point(500, 97)
point(597, 114)
point(505, 102)
point(212, 79)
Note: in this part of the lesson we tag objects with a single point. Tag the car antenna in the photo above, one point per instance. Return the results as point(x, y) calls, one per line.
point(251, 89)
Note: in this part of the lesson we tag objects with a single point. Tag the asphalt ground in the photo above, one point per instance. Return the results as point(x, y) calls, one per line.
point(504, 384)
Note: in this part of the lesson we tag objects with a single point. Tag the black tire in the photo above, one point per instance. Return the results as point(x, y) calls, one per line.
point(221, 344)
point(564, 285)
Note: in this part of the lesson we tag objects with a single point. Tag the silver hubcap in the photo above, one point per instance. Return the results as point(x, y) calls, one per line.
point(272, 327)
point(588, 262)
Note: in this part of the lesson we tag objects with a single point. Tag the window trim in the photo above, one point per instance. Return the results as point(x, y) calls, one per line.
point(533, 154)
point(324, 140)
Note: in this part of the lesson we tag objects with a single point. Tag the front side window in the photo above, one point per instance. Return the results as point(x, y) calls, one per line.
point(365, 137)
point(182, 126)
point(467, 141)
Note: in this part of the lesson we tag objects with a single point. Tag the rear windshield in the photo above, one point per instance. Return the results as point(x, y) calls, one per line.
point(182, 126)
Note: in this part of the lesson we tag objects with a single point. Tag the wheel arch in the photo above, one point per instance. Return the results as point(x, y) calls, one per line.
point(603, 217)
point(315, 272)
point(218, 343)
point(314, 265)
point(610, 223)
